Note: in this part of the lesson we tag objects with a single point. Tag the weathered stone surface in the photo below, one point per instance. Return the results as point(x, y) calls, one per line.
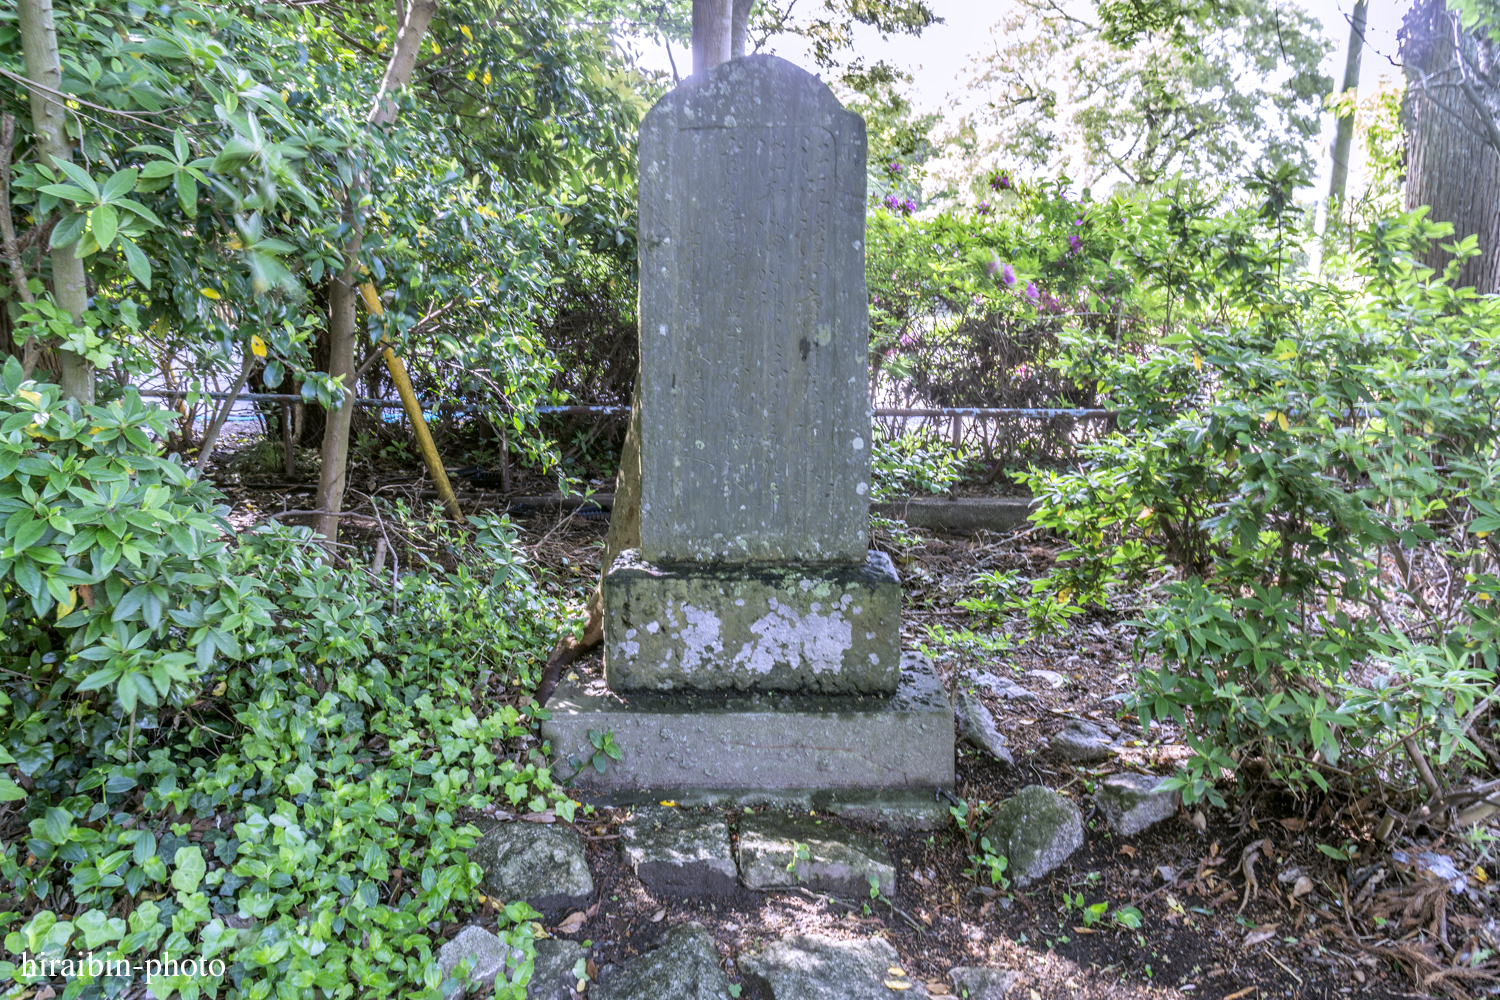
point(839, 861)
point(1037, 830)
point(540, 863)
point(896, 809)
point(982, 983)
point(828, 630)
point(977, 725)
point(766, 740)
point(754, 347)
point(685, 966)
point(814, 967)
point(1132, 803)
point(999, 687)
point(487, 950)
point(680, 852)
point(1082, 742)
point(552, 977)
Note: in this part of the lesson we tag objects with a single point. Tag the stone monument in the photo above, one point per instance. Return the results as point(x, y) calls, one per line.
point(752, 642)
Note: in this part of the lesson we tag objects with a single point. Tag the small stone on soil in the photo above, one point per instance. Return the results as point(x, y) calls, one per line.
point(539, 863)
point(979, 983)
point(679, 851)
point(1132, 803)
point(1052, 677)
point(813, 967)
point(1082, 742)
point(977, 725)
point(840, 861)
point(999, 687)
point(684, 967)
point(1037, 830)
point(488, 951)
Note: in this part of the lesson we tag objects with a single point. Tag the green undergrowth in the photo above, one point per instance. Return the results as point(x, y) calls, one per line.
point(222, 750)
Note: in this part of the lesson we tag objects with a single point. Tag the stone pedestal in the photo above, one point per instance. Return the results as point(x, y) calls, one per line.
point(762, 741)
point(706, 627)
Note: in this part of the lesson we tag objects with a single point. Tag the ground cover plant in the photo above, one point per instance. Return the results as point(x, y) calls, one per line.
point(231, 750)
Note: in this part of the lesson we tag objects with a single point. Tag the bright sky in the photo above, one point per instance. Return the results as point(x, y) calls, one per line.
point(940, 58)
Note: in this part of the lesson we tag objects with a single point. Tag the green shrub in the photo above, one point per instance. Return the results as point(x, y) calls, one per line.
point(1278, 466)
point(237, 733)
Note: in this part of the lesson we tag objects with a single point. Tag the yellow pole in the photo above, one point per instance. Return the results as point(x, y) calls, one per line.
point(414, 412)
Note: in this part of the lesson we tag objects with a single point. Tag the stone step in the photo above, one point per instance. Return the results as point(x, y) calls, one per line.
point(681, 853)
point(541, 863)
point(814, 967)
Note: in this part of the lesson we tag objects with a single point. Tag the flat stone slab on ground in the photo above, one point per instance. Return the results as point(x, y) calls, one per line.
point(897, 809)
point(680, 852)
point(552, 977)
point(754, 378)
point(840, 861)
point(487, 950)
point(977, 725)
point(1082, 742)
point(999, 687)
point(685, 966)
point(814, 967)
point(1132, 803)
point(982, 983)
point(538, 862)
point(1037, 830)
point(765, 740)
point(817, 629)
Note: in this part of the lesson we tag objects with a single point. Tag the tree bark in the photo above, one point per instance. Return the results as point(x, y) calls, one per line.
point(49, 122)
point(343, 325)
point(1345, 134)
point(1453, 164)
point(712, 33)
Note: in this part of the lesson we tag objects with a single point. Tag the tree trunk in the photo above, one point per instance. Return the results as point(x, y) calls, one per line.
point(1345, 134)
point(49, 121)
point(712, 33)
point(739, 28)
point(1452, 163)
point(343, 325)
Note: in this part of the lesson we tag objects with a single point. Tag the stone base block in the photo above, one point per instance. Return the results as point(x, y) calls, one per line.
point(825, 630)
point(764, 741)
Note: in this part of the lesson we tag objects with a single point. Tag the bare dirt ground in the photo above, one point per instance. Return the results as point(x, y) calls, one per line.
point(1236, 904)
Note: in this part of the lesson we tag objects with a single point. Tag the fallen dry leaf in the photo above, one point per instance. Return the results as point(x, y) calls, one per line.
point(937, 988)
point(656, 917)
point(572, 923)
point(1303, 887)
point(897, 984)
point(1241, 993)
point(895, 970)
point(1127, 850)
point(1264, 932)
point(1293, 823)
point(541, 817)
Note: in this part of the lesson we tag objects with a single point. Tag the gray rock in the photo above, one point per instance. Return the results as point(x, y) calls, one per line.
point(685, 966)
point(541, 863)
point(1052, 677)
point(840, 861)
point(790, 627)
point(552, 976)
point(754, 379)
point(762, 741)
point(982, 983)
point(977, 725)
point(814, 967)
point(487, 950)
point(1037, 830)
point(680, 852)
point(1132, 803)
point(1082, 742)
point(999, 687)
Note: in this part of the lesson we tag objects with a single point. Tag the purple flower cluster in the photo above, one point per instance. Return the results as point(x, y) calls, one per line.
point(985, 208)
point(1004, 273)
point(893, 169)
point(895, 204)
point(1000, 181)
point(1075, 244)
